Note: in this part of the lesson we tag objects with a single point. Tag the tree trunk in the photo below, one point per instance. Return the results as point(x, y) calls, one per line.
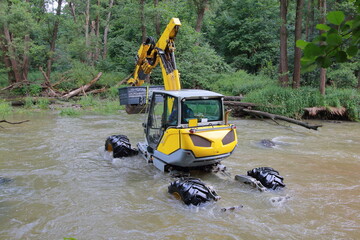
point(12, 55)
point(7, 63)
point(283, 118)
point(322, 10)
point(26, 57)
point(142, 19)
point(87, 22)
point(53, 40)
point(106, 30)
point(157, 19)
point(201, 8)
point(283, 66)
point(297, 57)
point(72, 8)
point(97, 34)
point(309, 26)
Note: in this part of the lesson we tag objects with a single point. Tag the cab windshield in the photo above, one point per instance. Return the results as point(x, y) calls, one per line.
point(205, 110)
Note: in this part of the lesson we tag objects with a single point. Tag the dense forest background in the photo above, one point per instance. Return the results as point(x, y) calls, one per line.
point(237, 47)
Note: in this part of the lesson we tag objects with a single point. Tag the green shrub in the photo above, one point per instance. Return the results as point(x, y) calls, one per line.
point(291, 102)
point(241, 83)
point(29, 103)
point(43, 103)
point(70, 112)
point(5, 109)
point(343, 75)
point(88, 101)
point(348, 98)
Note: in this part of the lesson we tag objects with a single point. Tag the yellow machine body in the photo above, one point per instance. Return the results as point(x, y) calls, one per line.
point(212, 141)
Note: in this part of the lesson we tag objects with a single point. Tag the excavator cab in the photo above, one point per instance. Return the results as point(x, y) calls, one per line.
point(187, 129)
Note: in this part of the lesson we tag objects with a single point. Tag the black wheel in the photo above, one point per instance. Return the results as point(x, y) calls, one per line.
point(120, 146)
point(268, 177)
point(192, 191)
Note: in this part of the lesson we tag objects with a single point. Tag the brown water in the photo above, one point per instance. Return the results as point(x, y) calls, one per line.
point(63, 187)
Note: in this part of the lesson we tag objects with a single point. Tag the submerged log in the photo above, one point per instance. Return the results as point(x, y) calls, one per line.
point(274, 117)
point(5, 121)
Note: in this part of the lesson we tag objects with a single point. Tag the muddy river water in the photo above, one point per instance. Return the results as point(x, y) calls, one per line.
point(63, 185)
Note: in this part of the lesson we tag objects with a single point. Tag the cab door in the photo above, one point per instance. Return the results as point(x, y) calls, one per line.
point(163, 114)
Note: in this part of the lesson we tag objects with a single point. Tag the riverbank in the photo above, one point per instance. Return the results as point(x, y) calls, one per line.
point(301, 104)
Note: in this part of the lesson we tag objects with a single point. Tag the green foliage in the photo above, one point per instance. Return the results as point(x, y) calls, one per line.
point(291, 102)
point(338, 43)
point(5, 109)
point(28, 90)
point(342, 75)
point(240, 83)
point(244, 33)
point(95, 104)
point(198, 65)
point(43, 103)
point(70, 112)
point(29, 103)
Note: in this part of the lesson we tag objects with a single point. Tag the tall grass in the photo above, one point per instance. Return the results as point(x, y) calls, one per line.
point(241, 83)
point(272, 98)
point(5, 109)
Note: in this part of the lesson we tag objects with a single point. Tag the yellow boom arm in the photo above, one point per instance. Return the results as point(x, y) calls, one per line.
point(150, 54)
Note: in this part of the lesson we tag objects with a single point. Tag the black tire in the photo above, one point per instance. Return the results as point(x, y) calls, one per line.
point(192, 191)
point(268, 177)
point(120, 146)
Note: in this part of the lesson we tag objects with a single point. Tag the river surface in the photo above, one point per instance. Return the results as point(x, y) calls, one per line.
point(64, 185)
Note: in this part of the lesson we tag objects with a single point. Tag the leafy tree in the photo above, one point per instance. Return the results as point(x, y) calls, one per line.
point(244, 33)
point(339, 41)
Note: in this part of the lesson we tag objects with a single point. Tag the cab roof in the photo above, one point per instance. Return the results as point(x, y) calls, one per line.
point(191, 93)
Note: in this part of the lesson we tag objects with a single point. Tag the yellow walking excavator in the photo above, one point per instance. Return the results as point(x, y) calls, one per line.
point(185, 129)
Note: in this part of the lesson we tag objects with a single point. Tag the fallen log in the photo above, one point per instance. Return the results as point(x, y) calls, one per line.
point(83, 88)
point(95, 91)
point(239, 104)
point(233, 98)
point(274, 117)
point(124, 80)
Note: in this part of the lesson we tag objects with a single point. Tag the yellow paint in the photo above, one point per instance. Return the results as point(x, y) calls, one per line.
point(170, 142)
point(165, 43)
point(174, 138)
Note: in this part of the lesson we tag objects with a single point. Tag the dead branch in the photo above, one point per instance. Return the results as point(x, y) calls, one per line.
point(83, 88)
point(274, 117)
point(5, 121)
point(47, 85)
point(124, 80)
point(95, 91)
point(15, 85)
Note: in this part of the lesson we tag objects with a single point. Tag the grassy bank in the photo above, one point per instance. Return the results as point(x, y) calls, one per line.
point(72, 108)
point(259, 89)
point(272, 98)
